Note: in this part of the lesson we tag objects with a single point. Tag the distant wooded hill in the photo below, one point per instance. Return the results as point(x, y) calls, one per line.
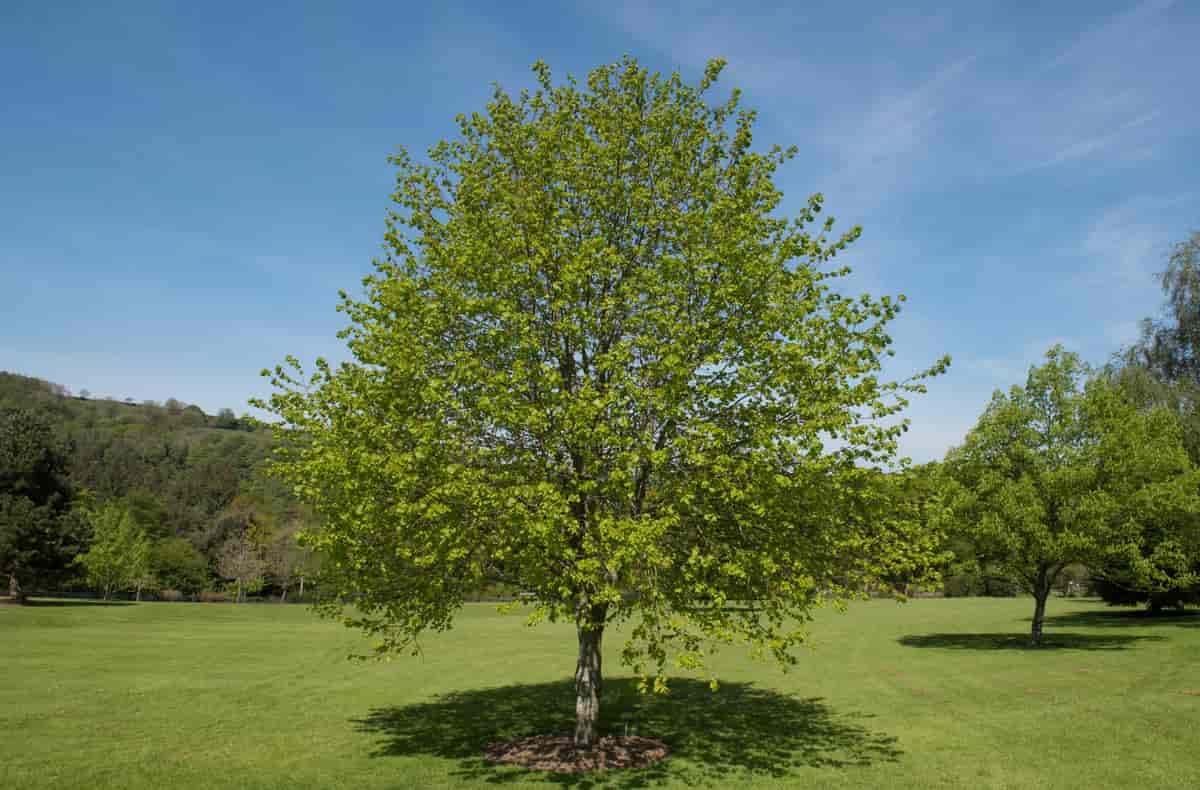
point(182, 473)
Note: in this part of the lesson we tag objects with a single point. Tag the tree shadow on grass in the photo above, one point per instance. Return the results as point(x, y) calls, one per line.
point(1187, 618)
point(39, 603)
point(1051, 641)
point(738, 732)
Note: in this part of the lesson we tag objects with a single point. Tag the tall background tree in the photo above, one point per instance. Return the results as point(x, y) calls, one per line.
point(1162, 370)
point(39, 536)
point(1064, 470)
point(1169, 347)
point(597, 366)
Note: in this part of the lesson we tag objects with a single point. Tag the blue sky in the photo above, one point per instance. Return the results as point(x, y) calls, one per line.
point(185, 186)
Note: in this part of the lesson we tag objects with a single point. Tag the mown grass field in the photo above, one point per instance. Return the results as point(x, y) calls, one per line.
point(933, 693)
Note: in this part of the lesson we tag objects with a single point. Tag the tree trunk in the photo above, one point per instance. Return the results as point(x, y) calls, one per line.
point(300, 594)
point(15, 593)
point(1039, 615)
point(587, 686)
point(283, 598)
point(138, 597)
point(238, 598)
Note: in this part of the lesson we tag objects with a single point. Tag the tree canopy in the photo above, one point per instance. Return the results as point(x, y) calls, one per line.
point(597, 365)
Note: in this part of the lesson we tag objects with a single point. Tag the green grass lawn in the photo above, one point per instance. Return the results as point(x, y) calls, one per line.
point(933, 693)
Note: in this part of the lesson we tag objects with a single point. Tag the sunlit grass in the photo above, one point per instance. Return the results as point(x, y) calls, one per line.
point(933, 693)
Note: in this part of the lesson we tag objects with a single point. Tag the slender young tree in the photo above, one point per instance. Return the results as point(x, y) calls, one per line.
point(118, 557)
point(1065, 470)
point(241, 560)
point(284, 560)
point(597, 365)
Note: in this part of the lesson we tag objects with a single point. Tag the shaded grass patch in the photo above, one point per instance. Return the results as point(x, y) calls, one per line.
point(1126, 617)
point(737, 732)
point(1021, 641)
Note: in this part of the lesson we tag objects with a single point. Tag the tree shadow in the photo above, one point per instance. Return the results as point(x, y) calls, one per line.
point(739, 731)
point(39, 603)
point(1051, 641)
point(1187, 618)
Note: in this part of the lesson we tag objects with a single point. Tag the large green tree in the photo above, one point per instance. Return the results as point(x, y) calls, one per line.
point(597, 365)
point(38, 534)
point(1066, 470)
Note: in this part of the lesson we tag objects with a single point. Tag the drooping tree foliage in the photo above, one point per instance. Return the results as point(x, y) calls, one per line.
point(596, 364)
point(1065, 470)
point(1169, 347)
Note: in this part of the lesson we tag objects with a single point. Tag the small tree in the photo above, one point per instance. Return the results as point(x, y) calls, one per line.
point(1058, 472)
point(240, 560)
point(119, 555)
point(141, 568)
point(284, 560)
point(596, 366)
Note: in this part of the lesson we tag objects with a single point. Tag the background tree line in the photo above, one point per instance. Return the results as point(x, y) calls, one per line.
point(120, 497)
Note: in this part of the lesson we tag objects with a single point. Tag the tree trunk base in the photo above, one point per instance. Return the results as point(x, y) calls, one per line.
point(559, 754)
point(1037, 632)
point(587, 688)
point(16, 596)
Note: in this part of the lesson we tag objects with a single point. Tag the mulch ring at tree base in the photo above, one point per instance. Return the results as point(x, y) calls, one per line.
point(558, 753)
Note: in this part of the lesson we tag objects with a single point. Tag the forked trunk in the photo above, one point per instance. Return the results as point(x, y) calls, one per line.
point(587, 687)
point(1039, 615)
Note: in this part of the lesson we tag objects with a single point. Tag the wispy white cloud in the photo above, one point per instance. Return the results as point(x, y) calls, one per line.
point(1125, 244)
point(1135, 25)
point(1109, 97)
point(1103, 142)
point(978, 106)
point(882, 147)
